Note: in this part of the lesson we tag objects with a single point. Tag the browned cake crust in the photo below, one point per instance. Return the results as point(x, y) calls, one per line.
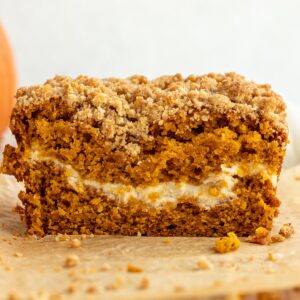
point(139, 133)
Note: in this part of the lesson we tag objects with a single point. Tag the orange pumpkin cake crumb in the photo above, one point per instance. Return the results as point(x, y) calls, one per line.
point(228, 243)
point(261, 236)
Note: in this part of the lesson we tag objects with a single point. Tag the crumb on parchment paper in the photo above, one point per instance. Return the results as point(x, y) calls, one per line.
point(144, 284)
point(118, 283)
point(13, 296)
point(287, 230)
point(91, 289)
point(71, 261)
point(277, 238)
point(75, 243)
point(131, 268)
point(204, 264)
point(262, 235)
point(72, 288)
point(227, 244)
point(105, 267)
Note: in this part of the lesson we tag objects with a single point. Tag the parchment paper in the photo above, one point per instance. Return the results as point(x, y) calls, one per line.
point(32, 267)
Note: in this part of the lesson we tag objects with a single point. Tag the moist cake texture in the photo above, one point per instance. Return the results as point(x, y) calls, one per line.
point(195, 156)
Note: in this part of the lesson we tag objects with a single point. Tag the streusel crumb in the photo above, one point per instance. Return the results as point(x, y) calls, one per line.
point(126, 107)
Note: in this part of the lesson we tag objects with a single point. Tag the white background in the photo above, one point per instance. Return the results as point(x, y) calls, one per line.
point(257, 38)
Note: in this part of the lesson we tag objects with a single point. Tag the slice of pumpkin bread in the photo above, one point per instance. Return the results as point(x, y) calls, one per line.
point(195, 156)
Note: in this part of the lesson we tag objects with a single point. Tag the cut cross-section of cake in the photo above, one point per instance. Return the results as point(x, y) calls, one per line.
point(195, 156)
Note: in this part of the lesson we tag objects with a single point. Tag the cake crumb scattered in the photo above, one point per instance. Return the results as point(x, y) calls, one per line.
point(272, 256)
point(8, 268)
point(227, 244)
point(287, 230)
point(204, 264)
point(75, 243)
point(18, 254)
point(117, 284)
point(71, 289)
point(261, 236)
point(105, 267)
point(13, 296)
point(91, 289)
point(144, 284)
point(134, 269)
point(277, 238)
point(58, 269)
point(71, 261)
point(74, 275)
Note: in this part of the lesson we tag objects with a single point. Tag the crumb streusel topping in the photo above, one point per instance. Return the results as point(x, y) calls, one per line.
point(128, 110)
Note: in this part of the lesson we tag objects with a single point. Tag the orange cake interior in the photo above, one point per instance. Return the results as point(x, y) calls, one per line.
point(195, 156)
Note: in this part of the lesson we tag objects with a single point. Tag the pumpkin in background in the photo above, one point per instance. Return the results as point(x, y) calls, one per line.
point(7, 82)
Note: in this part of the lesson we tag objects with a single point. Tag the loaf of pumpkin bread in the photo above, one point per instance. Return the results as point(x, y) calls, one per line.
point(173, 156)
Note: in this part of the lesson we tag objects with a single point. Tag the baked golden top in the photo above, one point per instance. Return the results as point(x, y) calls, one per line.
point(123, 108)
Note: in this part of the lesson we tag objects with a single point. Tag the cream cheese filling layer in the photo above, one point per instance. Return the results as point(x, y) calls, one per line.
point(215, 189)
